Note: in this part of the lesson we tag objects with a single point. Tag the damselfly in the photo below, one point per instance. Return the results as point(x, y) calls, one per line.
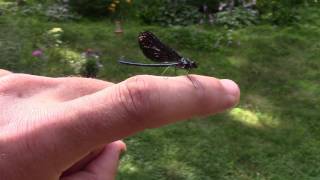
point(157, 51)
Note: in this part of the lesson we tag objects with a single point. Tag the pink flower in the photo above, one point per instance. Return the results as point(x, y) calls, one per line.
point(37, 53)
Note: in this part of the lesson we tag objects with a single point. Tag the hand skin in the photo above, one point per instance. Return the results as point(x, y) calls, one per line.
point(71, 128)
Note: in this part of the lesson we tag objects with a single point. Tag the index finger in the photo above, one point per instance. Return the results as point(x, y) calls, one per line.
point(145, 102)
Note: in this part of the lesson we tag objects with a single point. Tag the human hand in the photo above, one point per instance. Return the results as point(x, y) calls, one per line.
point(51, 128)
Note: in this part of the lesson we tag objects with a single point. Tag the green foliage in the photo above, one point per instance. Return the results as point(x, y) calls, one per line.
point(90, 8)
point(168, 13)
point(117, 9)
point(282, 12)
point(51, 38)
point(237, 18)
point(279, 11)
point(90, 68)
point(120, 9)
point(73, 60)
point(10, 44)
point(226, 38)
point(57, 11)
point(60, 12)
point(8, 8)
point(212, 4)
point(35, 9)
point(92, 64)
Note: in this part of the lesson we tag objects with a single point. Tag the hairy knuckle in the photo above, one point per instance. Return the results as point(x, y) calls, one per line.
point(14, 79)
point(16, 85)
point(137, 92)
point(136, 97)
point(204, 98)
point(9, 82)
point(201, 94)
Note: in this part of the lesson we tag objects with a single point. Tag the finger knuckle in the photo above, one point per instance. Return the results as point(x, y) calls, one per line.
point(137, 97)
point(201, 93)
point(204, 97)
point(9, 82)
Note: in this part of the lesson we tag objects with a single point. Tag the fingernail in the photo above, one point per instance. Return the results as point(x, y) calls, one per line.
point(231, 87)
point(123, 146)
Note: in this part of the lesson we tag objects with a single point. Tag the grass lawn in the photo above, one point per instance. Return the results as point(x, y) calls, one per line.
point(274, 133)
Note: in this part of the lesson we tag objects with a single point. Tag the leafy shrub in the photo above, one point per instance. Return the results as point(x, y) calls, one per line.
point(98, 8)
point(167, 13)
point(92, 64)
point(213, 5)
point(51, 38)
point(90, 8)
point(279, 11)
point(226, 38)
point(32, 9)
point(90, 69)
point(60, 12)
point(237, 18)
point(119, 9)
point(8, 8)
point(54, 12)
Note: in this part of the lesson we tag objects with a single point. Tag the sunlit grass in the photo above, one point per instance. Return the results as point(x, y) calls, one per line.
point(254, 119)
point(238, 62)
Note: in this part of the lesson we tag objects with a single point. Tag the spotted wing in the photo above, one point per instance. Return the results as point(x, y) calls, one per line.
point(155, 50)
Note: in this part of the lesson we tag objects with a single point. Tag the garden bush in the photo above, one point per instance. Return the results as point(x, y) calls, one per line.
point(237, 18)
point(98, 8)
point(60, 12)
point(213, 5)
point(280, 11)
point(168, 12)
point(91, 8)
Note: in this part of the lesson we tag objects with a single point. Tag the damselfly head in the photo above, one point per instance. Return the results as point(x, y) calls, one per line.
point(186, 63)
point(193, 64)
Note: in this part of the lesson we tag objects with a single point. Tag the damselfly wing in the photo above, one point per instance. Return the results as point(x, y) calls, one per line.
point(155, 50)
point(158, 52)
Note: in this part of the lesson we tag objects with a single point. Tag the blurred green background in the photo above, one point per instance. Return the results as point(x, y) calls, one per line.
point(270, 48)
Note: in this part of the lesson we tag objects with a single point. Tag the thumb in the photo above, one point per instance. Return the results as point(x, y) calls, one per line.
point(104, 166)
